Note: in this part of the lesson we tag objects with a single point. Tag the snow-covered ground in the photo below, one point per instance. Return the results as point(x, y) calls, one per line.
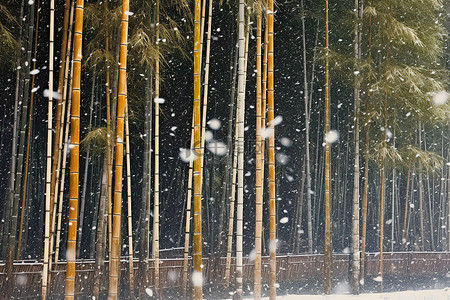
point(405, 295)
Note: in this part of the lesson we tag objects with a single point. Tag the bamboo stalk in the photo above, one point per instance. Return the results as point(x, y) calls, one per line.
point(60, 190)
point(117, 210)
point(205, 86)
point(66, 137)
point(49, 154)
point(74, 152)
point(129, 217)
point(259, 152)
point(197, 253)
point(307, 123)
point(188, 217)
point(365, 204)
point(356, 172)
point(240, 130)
point(156, 204)
point(327, 250)
point(271, 154)
point(232, 206)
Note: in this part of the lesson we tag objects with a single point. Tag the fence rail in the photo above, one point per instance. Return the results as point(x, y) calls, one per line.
point(290, 268)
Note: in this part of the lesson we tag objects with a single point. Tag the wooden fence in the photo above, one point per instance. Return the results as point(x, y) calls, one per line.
point(290, 268)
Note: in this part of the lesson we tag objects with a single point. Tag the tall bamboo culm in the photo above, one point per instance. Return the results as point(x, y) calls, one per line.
point(188, 218)
point(232, 206)
point(356, 97)
point(67, 86)
point(327, 250)
point(155, 244)
point(197, 239)
point(259, 153)
point(271, 155)
point(117, 209)
point(75, 152)
point(49, 154)
point(240, 149)
point(129, 216)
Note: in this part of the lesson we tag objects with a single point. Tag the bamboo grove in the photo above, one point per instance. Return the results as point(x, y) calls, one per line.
point(141, 130)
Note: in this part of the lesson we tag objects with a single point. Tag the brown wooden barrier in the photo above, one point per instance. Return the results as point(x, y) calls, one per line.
point(290, 268)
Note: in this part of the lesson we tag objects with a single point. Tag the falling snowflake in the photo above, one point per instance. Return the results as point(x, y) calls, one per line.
point(187, 155)
point(440, 98)
point(332, 136)
point(217, 148)
point(214, 124)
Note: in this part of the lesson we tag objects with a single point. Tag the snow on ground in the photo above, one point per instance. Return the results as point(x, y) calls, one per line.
point(405, 295)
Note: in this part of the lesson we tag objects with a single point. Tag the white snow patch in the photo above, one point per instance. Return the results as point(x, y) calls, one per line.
point(273, 246)
point(440, 98)
point(21, 279)
point(197, 278)
point(252, 255)
point(149, 292)
point(332, 136)
point(214, 124)
point(378, 279)
point(277, 121)
point(172, 275)
point(442, 294)
point(53, 94)
point(284, 220)
point(208, 135)
point(217, 148)
point(159, 100)
point(285, 142)
point(282, 158)
point(266, 132)
point(342, 288)
point(187, 155)
point(346, 250)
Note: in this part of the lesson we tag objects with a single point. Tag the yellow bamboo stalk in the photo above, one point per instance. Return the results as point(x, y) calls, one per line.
point(271, 154)
point(259, 152)
point(74, 152)
point(129, 216)
point(197, 253)
point(117, 210)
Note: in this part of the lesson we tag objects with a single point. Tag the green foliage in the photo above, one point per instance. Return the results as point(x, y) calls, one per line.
point(9, 44)
point(96, 140)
